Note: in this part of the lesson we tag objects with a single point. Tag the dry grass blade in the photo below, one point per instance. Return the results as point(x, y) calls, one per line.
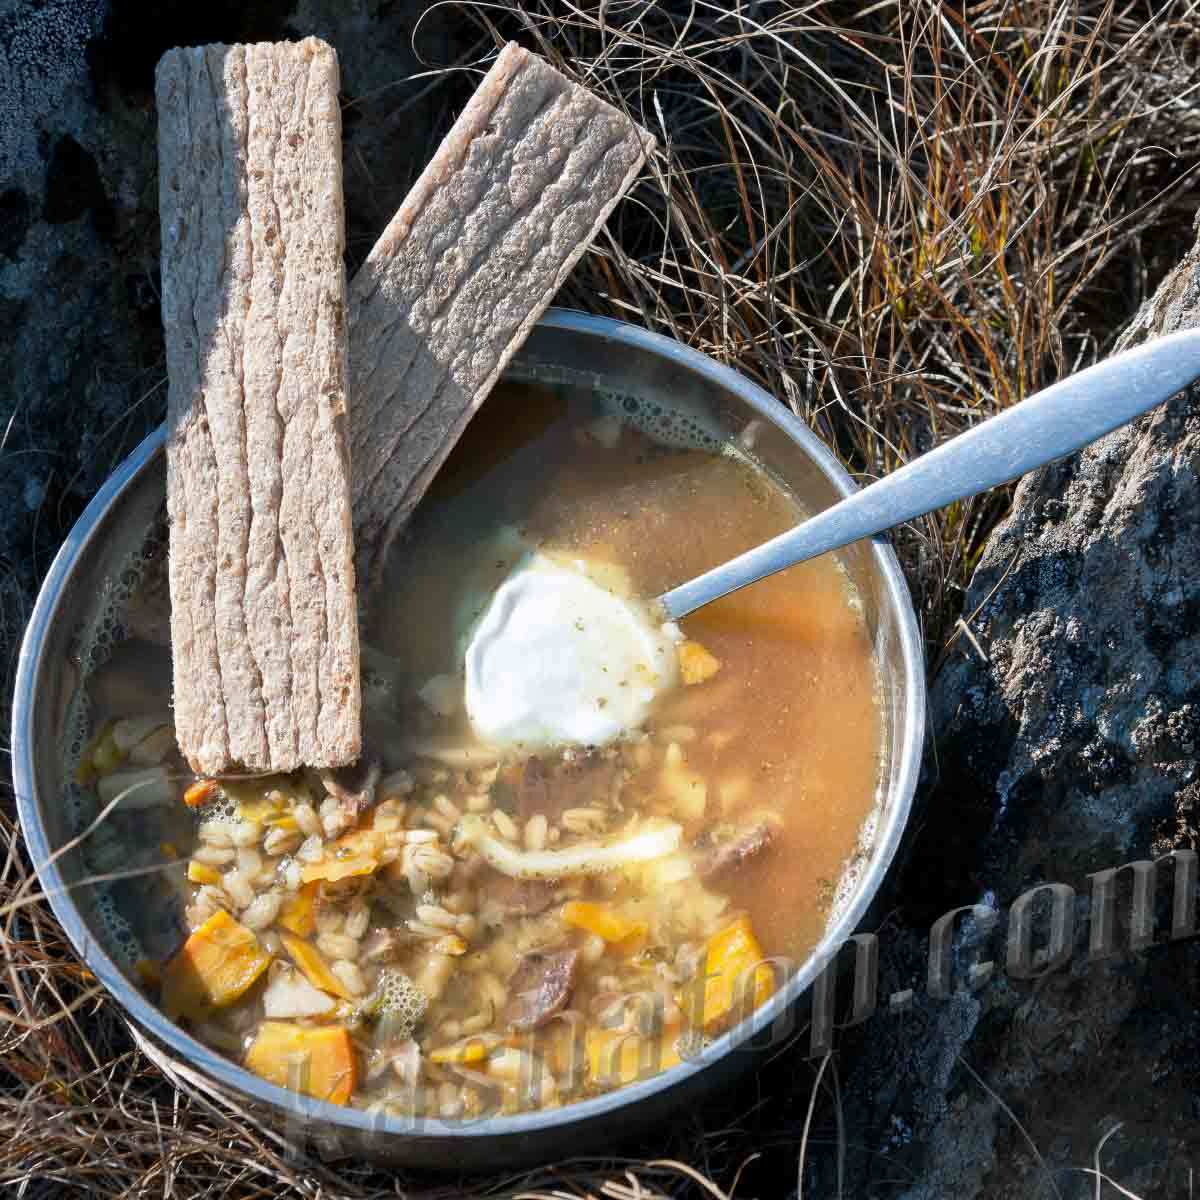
point(898, 217)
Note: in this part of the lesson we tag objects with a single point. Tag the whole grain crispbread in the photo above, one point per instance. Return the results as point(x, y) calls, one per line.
point(263, 622)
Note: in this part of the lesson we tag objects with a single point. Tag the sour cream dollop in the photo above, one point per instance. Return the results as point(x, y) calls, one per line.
point(557, 659)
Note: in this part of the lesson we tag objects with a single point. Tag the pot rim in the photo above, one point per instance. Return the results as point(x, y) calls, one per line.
point(306, 1109)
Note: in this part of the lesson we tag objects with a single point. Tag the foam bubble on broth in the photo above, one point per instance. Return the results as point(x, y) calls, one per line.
point(672, 425)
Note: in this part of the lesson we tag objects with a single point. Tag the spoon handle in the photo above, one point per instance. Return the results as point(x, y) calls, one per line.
point(1047, 425)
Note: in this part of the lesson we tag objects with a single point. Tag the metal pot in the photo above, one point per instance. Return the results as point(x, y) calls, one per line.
point(564, 346)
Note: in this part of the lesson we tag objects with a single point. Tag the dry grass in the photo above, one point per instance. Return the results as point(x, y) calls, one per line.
point(899, 218)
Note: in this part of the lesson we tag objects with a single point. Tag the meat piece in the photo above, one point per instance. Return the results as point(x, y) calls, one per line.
point(355, 787)
point(514, 195)
point(540, 987)
point(533, 790)
point(398, 1054)
point(264, 629)
point(381, 945)
point(722, 853)
point(576, 780)
point(466, 871)
point(518, 897)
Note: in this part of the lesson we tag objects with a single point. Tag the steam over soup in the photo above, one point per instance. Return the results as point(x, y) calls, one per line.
point(457, 927)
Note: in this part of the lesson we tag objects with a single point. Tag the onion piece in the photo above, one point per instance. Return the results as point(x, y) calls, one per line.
point(289, 995)
point(649, 844)
point(128, 731)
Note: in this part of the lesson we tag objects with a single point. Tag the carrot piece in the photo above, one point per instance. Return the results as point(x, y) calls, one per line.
point(360, 843)
point(218, 963)
point(333, 869)
point(470, 1050)
point(199, 792)
point(202, 873)
point(101, 755)
point(298, 913)
point(257, 811)
point(319, 1062)
point(602, 920)
point(616, 1057)
point(355, 853)
point(728, 989)
point(308, 958)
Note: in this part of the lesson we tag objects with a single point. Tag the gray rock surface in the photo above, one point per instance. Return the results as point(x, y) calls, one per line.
point(1070, 748)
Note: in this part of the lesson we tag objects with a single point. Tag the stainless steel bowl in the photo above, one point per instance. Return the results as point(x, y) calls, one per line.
point(564, 346)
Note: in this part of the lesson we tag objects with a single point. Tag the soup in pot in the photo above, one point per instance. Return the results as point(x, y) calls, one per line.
point(459, 926)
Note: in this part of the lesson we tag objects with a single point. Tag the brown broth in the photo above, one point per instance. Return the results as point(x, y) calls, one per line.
point(795, 702)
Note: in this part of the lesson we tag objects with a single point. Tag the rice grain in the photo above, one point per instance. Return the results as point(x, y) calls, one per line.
point(505, 825)
point(307, 819)
point(536, 829)
point(238, 888)
point(350, 976)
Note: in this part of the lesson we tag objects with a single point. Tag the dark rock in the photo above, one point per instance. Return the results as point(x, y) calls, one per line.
point(14, 221)
point(1070, 749)
point(73, 187)
point(129, 46)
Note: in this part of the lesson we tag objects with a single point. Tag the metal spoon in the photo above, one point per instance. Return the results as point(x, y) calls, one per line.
point(1046, 426)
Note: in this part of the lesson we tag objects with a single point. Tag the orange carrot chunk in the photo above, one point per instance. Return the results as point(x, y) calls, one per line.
point(729, 992)
point(319, 1062)
point(309, 959)
point(219, 962)
point(199, 792)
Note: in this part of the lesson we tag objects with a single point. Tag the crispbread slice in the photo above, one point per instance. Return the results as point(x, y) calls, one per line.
point(512, 198)
point(263, 622)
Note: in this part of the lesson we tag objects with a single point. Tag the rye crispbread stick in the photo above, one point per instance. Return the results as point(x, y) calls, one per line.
point(515, 193)
point(264, 629)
